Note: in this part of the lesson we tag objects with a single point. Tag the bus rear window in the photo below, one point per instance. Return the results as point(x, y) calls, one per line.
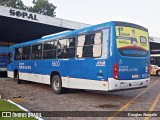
point(132, 41)
point(133, 52)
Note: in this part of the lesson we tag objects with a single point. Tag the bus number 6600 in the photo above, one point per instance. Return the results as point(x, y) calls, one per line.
point(55, 63)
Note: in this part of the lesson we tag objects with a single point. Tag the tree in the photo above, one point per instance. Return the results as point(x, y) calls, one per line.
point(40, 6)
point(3, 2)
point(13, 3)
point(43, 7)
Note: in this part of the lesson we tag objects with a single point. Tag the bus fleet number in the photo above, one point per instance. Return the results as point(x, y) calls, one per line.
point(55, 63)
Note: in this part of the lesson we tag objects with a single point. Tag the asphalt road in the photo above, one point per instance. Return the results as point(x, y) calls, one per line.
point(39, 97)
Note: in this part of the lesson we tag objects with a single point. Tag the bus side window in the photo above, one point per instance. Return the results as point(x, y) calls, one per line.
point(26, 53)
point(81, 40)
point(89, 45)
point(66, 48)
point(70, 48)
point(97, 47)
point(62, 53)
point(37, 51)
point(18, 54)
point(49, 50)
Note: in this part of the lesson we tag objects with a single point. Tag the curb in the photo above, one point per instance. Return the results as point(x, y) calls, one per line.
point(24, 109)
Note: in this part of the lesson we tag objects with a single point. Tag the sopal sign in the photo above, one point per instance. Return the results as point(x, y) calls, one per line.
point(23, 14)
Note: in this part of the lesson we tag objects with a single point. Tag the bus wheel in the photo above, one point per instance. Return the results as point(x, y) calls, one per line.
point(158, 73)
point(56, 85)
point(18, 80)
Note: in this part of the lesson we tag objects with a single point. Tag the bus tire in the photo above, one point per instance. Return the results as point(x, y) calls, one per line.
point(18, 80)
point(56, 85)
point(158, 73)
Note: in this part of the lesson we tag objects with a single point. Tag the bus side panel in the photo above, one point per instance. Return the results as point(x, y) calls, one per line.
point(89, 75)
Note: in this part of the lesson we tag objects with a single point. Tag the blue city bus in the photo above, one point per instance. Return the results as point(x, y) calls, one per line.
point(106, 57)
point(3, 58)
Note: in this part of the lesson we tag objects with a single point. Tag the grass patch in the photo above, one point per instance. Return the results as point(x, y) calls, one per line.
point(6, 106)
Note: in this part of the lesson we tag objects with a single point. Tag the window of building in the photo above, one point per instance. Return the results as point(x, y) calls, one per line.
point(18, 54)
point(26, 53)
point(49, 50)
point(89, 45)
point(37, 51)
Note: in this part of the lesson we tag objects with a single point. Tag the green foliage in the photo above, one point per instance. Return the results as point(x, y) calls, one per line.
point(43, 7)
point(3, 2)
point(6, 106)
point(40, 6)
point(13, 3)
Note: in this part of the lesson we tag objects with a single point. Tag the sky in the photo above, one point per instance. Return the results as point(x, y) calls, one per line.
point(141, 12)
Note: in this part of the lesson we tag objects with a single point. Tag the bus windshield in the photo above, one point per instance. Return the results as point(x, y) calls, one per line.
point(132, 41)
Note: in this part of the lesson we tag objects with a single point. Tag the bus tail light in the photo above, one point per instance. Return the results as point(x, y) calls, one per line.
point(116, 71)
